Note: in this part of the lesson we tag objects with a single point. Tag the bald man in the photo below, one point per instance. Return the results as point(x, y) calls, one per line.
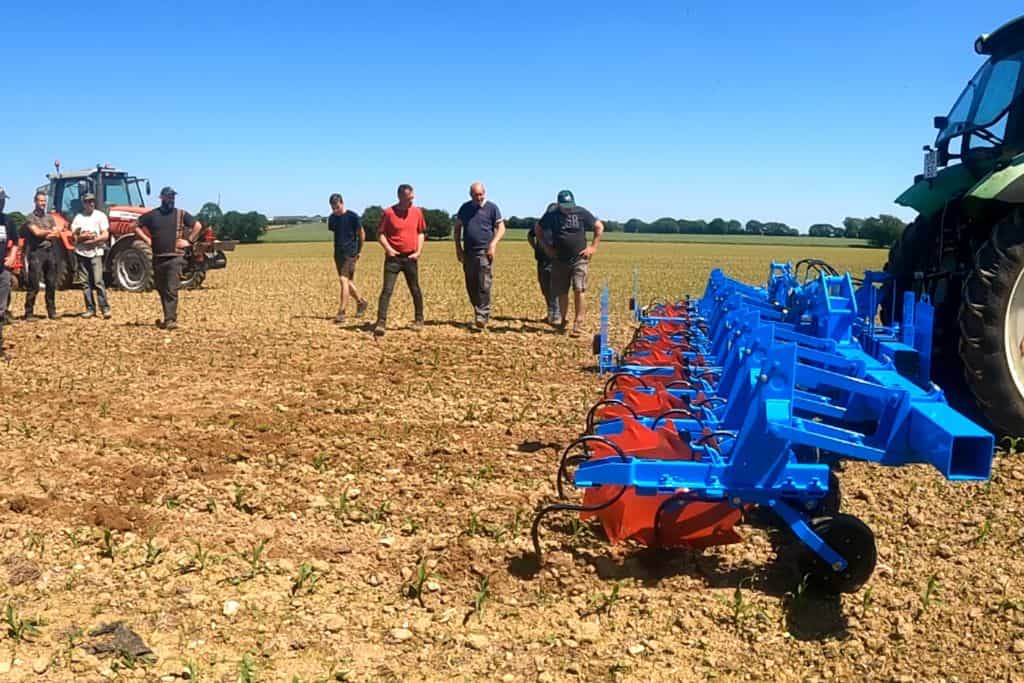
point(478, 229)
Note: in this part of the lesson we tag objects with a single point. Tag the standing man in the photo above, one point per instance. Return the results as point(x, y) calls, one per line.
point(91, 230)
point(348, 242)
point(402, 232)
point(475, 248)
point(8, 252)
point(544, 273)
point(171, 232)
point(562, 236)
point(41, 236)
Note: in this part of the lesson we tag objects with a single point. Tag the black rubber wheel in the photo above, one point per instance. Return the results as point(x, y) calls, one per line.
point(67, 267)
point(133, 267)
point(992, 327)
point(854, 541)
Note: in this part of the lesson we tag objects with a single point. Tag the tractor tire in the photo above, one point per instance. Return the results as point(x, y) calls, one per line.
point(133, 267)
point(905, 258)
point(992, 327)
point(67, 268)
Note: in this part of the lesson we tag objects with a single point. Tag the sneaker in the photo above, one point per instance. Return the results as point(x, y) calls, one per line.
point(417, 325)
point(106, 314)
point(89, 314)
point(480, 322)
point(361, 308)
point(31, 317)
point(339, 319)
point(52, 316)
point(379, 329)
point(160, 323)
point(171, 325)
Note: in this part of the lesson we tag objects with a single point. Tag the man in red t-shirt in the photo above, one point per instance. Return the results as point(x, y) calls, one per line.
point(401, 233)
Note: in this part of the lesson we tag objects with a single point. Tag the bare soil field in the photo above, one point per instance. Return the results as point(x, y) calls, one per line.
point(264, 496)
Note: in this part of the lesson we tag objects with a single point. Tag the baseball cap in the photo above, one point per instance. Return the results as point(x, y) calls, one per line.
point(3, 193)
point(87, 196)
point(167, 191)
point(566, 200)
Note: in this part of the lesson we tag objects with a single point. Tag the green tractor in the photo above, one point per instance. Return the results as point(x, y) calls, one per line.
point(966, 247)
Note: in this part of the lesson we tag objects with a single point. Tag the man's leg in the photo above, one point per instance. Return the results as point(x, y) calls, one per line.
point(101, 287)
point(411, 270)
point(173, 284)
point(350, 273)
point(579, 288)
point(85, 272)
point(561, 281)
point(34, 277)
point(343, 283)
point(392, 266)
point(5, 298)
point(49, 273)
point(484, 281)
point(471, 275)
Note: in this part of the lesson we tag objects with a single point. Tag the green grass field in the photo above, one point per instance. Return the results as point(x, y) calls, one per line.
point(317, 232)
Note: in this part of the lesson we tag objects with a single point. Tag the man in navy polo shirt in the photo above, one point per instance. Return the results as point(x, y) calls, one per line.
point(478, 229)
point(8, 252)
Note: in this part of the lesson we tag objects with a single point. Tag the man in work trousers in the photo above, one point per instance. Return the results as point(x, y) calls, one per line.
point(171, 232)
point(562, 236)
point(348, 242)
point(402, 232)
point(8, 253)
point(91, 230)
point(544, 273)
point(478, 229)
point(41, 237)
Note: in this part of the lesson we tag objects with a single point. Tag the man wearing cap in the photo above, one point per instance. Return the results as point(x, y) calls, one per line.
point(562, 235)
point(41, 234)
point(401, 232)
point(478, 229)
point(91, 230)
point(170, 232)
point(8, 252)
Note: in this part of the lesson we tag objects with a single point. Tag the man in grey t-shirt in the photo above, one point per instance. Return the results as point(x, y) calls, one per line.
point(479, 228)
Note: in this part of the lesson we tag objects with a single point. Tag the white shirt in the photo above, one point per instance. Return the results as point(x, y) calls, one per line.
point(89, 227)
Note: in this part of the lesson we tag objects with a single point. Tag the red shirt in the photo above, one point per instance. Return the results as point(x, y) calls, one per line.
point(402, 228)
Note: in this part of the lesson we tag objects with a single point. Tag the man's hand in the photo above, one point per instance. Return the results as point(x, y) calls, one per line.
point(182, 244)
point(414, 256)
point(459, 255)
point(492, 249)
point(548, 249)
point(53, 234)
point(588, 252)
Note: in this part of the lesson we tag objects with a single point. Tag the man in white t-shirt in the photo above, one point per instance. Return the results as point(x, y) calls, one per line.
point(91, 230)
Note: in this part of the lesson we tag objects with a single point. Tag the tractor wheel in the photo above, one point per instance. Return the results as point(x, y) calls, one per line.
point(193, 279)
point(992, 327)
point(854, 542)
point(905, 258)
point(67, 267)
point(133, 267)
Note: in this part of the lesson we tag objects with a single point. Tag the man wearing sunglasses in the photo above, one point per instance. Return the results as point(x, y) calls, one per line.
point(92, 231)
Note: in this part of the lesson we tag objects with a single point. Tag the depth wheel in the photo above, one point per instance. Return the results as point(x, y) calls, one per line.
point(854, 542)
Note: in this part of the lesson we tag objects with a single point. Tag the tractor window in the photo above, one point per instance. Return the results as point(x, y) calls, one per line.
point(986, 97)
point(1002, 86)
point(115, 192)
point(70, 204)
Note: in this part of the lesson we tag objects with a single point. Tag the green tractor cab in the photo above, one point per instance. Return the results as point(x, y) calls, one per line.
point(966, 247)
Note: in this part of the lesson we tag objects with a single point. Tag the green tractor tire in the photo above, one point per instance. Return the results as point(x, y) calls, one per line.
point(992, 327)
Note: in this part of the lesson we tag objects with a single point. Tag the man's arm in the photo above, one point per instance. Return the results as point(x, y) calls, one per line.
point(382, 238)
point(104, 233)
point(458, 239)
point(38, 231)
point(538, 233)
point(499, 232)
point(140, 232)
point(12, 252)
point(420, 239)
point(598, 231)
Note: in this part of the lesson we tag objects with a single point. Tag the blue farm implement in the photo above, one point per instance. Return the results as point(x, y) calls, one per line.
point(748, 398)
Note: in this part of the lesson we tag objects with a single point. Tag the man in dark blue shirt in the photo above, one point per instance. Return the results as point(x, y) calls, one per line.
point(478, 229)
point(8, 252)
point(348, 242)
point(562, 234)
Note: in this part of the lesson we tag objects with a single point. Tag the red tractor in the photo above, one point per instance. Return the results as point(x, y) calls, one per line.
point(128, 261)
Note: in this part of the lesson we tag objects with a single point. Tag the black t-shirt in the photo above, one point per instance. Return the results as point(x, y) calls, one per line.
point(8, 233)
point(346, 233)
point(568, 231)
point(163, 229)
point(45, 222)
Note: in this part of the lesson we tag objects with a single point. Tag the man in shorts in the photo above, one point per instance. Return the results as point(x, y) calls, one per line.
point(562, 236)
point(348, 242)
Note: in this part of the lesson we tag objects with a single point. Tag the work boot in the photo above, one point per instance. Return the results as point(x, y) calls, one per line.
point(417, 325)
point(106, 314)
point(379, 329)
point(89, 314)
point(171, 325)
point(361, 307)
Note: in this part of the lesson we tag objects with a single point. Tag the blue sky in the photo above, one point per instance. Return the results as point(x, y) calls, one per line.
point(796, 111)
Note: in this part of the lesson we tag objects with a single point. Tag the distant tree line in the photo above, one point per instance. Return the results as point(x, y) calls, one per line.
point(881, 231)
point(233, 225)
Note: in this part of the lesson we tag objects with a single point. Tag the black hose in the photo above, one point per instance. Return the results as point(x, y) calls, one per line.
point(606, 402)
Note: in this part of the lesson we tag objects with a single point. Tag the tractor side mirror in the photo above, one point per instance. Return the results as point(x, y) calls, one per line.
point(940, 122)
point(148, 190)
